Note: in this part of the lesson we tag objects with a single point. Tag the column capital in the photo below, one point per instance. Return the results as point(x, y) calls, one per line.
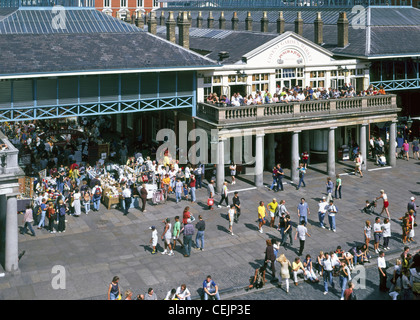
point(297, 131)
point(333, 128)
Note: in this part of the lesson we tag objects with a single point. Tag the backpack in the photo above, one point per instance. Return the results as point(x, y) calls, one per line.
point(98, 192)
point(259, 281)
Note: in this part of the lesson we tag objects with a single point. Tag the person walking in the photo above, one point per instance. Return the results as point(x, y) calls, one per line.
point(279, 177)
point(338, 185)
point(176, 233)
point(384, 197)
point(302, 232)
point(406, 149)
point(231, 216)
point(327, 272)
point(344, 277)
point(201, 227)
point(188, 231)
point(358, 167)
point(114, 292)
point(272, 207)
point(166, 237)
point(27, 220)
point(415, 146)
point(154, 239)
point(302, 171)
point(284, 270)
point(274, 176)
point(322, 210)
point(288, 231)
point(237, 203)
point(211, 193)
point(87, 197)
point(224, 195)
point(97, 195)
point(330, 187)
point(62, 210)
point(43, 208)
point(143, 197)
point(270, 257)
point(303, 211)
point(367, 232)
point(261, 216)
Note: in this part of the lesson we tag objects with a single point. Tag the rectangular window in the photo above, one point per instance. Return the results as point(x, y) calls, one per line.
point(155, 3)
point(217, 79)
point(123, 3)
point(139, 3)
point(107, 3)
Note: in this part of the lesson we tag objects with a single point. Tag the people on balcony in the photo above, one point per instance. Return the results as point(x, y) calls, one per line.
point(295, 94)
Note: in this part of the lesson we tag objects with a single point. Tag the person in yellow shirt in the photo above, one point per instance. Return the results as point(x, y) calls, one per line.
point(166, 185)
point(272, 208)
point(261, 216)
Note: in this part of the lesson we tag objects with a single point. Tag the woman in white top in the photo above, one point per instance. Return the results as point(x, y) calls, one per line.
point(368, 232)
point(76, 202)
point(386, 203)
point(284, 269)
point(187, 174)
point(386, 233)
point(231, 216)
point(182, 292)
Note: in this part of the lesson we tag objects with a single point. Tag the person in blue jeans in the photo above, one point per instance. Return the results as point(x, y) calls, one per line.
point(327, 272)
point(303, 211)
point(210, 288)
point(332, 211)
point(43, 206)
point(302, 172)
point(188, 230)
point(344, 277)
point(200, 226)
point(96, 197)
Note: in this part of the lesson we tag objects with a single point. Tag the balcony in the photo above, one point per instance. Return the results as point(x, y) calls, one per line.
point(276, 113)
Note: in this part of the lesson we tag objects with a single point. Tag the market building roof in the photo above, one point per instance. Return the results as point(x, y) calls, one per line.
point(90, 41)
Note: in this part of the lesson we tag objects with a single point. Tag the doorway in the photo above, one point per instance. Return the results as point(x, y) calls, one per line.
point(241, 88)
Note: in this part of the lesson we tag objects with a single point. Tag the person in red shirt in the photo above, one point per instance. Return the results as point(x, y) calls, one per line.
point(348, 293)
point(186, 215)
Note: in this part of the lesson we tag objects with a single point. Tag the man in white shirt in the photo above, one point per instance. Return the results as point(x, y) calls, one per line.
point(327, 272)
point(332, 210)
point(302, 232)
point(382, 272)
point(182, 293)
point(127, 199)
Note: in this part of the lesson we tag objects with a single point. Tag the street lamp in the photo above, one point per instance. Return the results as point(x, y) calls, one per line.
point(409, 122)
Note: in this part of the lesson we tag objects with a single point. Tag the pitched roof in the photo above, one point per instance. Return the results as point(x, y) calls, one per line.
point(92, 42)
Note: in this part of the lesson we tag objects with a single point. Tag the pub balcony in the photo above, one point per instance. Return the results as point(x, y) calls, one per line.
point(331, 109)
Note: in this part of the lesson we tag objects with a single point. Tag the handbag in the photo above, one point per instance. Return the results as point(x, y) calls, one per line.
point(210, 201)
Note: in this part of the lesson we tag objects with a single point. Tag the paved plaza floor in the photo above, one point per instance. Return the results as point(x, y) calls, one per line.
point(103, 244)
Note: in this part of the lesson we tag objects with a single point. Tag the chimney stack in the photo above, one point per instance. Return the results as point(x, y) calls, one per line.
point(184, 30)
point(318, 28)
point(299, 24)
point(210, 20)
point(248, 22)
point(199, 20)
point(235, 21)
point(222, 21)
point(152, 23)
point(162, 19)
point(280, 23)
point(139, 21)
point(170, 28)
point(264, 22)
point(342, 30)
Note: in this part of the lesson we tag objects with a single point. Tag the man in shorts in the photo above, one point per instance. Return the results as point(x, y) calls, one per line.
point(166, 237)
point(154, 239)
point(272, 208)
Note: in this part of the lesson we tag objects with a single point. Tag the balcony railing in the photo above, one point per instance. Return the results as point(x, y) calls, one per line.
point(220, 114)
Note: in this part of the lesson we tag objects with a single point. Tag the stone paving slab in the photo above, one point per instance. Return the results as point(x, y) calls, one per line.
point(102, 244)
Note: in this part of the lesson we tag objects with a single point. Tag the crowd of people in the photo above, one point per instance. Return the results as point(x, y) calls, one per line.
point(294, 94)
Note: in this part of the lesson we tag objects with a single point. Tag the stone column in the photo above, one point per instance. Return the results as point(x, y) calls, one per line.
point(363, 145)
point(318, 28)
point(152, 23)
point(305, 141)
point(222, 21)
point(295, 157)
point(210, 20)
point(170, 28)
point(259, 160)
point(264, 22)
point(331, 153)
point(248, 22)
point(280, 23)
point(299, 24)
point(271, 158)
point(11, 250)
point(392, 160)
point(235, 21)
point(220, 171)
point(184, 30)
point(199, 20)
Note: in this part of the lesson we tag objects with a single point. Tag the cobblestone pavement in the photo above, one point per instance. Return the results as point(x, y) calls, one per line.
point(103, 244)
